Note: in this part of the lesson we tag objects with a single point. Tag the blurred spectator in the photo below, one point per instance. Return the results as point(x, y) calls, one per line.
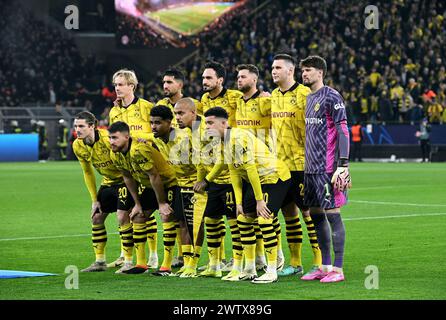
point(428, 95)
point(43, 140)
point(385, 107)
point(443, 117)
point(434, 111)
point(416, 114)
point(424, 139)
point(62, 139)
point(400, 62)
point(414, 91)
point(357, 138)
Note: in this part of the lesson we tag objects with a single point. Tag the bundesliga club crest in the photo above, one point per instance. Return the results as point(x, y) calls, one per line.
point(317, 107)
point(293, 101)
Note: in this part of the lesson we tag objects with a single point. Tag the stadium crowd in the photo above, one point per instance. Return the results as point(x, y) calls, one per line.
point(393, 74)
point(40, 63)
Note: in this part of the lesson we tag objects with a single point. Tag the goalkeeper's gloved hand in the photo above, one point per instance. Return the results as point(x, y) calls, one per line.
point(341, 177)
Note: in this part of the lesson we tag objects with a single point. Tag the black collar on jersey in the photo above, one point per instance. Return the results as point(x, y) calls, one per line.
point(255, 95)
point(135, 100)
point(96, 138)
point(172, 134)
point(130, 145)
point(221, 94)
point(294, 86)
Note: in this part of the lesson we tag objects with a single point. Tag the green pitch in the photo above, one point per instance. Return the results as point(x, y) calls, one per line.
point(190, 19)
point(395, 221)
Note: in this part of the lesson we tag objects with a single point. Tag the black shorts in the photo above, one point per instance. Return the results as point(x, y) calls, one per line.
point(114, 198)
point(319, 192)
point(184, 206)
point(296, 190)
point(221, 201)
point(273, 194)
point(148, 200)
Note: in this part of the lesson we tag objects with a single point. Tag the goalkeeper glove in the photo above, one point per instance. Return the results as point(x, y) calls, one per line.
point(341, 177)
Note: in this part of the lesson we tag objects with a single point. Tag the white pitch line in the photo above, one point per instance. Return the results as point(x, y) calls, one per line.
point(386, 187)
point(345, 219)
point(398, 203)
point(396, 216)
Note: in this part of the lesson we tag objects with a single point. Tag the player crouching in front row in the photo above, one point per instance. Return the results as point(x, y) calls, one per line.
point(267, 180)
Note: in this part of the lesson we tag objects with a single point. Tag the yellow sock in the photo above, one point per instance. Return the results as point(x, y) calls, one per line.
point(187, 254)
point(237, 249)
point(139, 239)
point(169, 235)
point(270, 242)
point(152, 234)
point(178, 239)
point(99, 238)
point(317, 256)
point(260, 249)
point(196, 257)
point(126, 233)
point(294, 239)
point(213, 238)
point(248, 239)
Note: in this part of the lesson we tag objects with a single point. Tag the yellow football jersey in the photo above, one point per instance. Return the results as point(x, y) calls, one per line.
point(206, 152)
point(211, 156)
point(97, 156)
point(141, 158)
point(136, 115)
point(288, 125)
point(254, 115)
point(227, 99)
point(178, 152)
point(249, 157)
point(242, 149)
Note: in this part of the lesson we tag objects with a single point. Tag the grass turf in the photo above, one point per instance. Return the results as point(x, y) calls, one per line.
point(189, 19)
point(394, 221)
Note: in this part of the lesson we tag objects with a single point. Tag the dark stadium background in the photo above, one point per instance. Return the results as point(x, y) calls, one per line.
point(49, 73)
point(396, 213)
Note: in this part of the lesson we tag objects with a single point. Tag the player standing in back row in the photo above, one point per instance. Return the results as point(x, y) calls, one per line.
point(134, 111)
point(288, 103)
point(327, 175)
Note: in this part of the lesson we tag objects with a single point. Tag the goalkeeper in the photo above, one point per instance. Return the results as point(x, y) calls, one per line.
point(326, 167)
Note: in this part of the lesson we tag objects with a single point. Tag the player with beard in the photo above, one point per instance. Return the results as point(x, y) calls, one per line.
point(150, 180)
point(288, 102)
point(253, 114)
point(173, 82)
point(327, 176)
point(92, 149)
point(217, 95)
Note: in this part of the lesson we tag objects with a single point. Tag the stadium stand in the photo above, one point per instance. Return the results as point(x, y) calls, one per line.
point(393, 74)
